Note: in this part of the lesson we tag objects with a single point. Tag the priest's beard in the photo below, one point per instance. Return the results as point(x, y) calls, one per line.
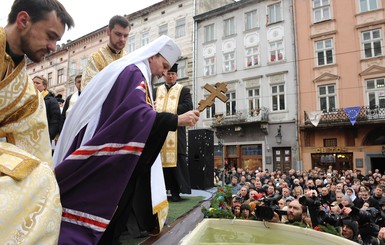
point(35, 56)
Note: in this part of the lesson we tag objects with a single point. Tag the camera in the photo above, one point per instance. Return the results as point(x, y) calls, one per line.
point(314, 201)
point(332, 219)
point(269, 206)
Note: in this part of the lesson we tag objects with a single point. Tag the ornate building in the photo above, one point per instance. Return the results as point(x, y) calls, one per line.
point(341, 73)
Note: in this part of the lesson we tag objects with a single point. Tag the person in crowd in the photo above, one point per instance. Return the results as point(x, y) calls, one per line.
point(60, 100)
point(325, 196)
point(246, 212)
point(378, 192)
point(70, 101)
point(175, 98)
point(113, 147)
point(297, 192)
point(364, 196)
point(30, 202)
point(51, 106)
point(243, 194)
point(117, 30)
point(297, 212)
point(237, 210)
point(350, 230)
point(350, 193)
point(234, 184)
point(339, 196)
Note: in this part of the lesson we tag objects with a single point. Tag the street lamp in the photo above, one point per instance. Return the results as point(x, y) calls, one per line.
point(278, 137)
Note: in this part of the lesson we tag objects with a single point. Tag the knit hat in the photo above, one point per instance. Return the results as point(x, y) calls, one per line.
point(353, 225)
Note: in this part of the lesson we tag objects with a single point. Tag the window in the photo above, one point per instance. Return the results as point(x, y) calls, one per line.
point(372, 42)
point(49, 79)
point(145, 38)
point(327, 98)
point(83, 63)
point(71, 89)
point(375, 89)
point(232, 151)
point(229, 62)
point(209, 33)
point(330, 142)
point(274, 13)
point(210, 112)
point(253, 98)
point(231, 104)
point(252, 56)
point(278, 97)
point(182, 69)
point(321, 10)
point(60, 76)
point(251, 20)
point(73, 69)
point(276, 51)
point(229, 27)
point(324, 52)
point(163, 29)
point(209, 68)
point(368, 5)
point(250, 150)
point(131, 44)
point(180, 27)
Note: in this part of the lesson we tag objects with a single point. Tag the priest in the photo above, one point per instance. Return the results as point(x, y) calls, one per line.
point(109, 143)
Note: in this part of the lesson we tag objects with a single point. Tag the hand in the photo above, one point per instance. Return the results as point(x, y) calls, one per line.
point(346, 211)
point(381, 234)
point(189, 118)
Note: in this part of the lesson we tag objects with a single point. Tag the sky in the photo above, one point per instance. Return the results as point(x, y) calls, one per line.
point(89, 15)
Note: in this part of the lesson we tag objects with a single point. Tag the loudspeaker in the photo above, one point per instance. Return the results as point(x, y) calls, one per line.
point(201, 158)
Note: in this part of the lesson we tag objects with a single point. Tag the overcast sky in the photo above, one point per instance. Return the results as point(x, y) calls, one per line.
point(89, 15)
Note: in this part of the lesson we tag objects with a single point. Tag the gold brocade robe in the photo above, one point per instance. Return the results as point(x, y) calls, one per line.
point(167, 101)
point(23, 119)
point(98, 60)
point(30, 209)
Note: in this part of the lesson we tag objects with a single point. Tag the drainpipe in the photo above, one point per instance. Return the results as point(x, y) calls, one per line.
point(194, 57)
point(298, 151)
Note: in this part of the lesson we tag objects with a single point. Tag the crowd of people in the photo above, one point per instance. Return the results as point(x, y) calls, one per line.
point(350, 202)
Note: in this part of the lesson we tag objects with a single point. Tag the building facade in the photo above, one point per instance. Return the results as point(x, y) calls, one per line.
point(341, 74)
point(249, 46)
point(169, 17)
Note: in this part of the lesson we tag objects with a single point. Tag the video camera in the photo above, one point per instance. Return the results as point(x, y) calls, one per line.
point(268, 207)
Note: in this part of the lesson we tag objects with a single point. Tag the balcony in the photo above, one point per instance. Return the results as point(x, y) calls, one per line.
point(242, 117)
point(338, 117)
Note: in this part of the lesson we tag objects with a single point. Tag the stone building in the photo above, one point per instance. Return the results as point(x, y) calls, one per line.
point(249, 46)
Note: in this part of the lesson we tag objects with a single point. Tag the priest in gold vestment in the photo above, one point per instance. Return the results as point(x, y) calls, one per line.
point(30, 209)
point(174, 98)
point(117, 31)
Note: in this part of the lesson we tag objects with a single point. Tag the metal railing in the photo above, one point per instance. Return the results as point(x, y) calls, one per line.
point(242, 116)
point(337, 116)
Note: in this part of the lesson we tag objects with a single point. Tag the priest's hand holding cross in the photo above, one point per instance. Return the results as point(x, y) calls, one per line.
point(191, 117)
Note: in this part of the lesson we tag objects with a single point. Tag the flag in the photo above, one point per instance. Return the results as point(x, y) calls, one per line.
point(314, 116)
point(352, 113)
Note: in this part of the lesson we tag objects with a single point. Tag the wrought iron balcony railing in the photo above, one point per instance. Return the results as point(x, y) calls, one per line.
point(338, 116)
point(242, 116)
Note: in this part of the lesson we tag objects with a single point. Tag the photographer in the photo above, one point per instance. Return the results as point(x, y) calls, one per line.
point(366, 223)
point(267, 207)
point(296, 212)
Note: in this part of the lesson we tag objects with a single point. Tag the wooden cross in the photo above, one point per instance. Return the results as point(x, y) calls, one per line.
point(216, 91)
